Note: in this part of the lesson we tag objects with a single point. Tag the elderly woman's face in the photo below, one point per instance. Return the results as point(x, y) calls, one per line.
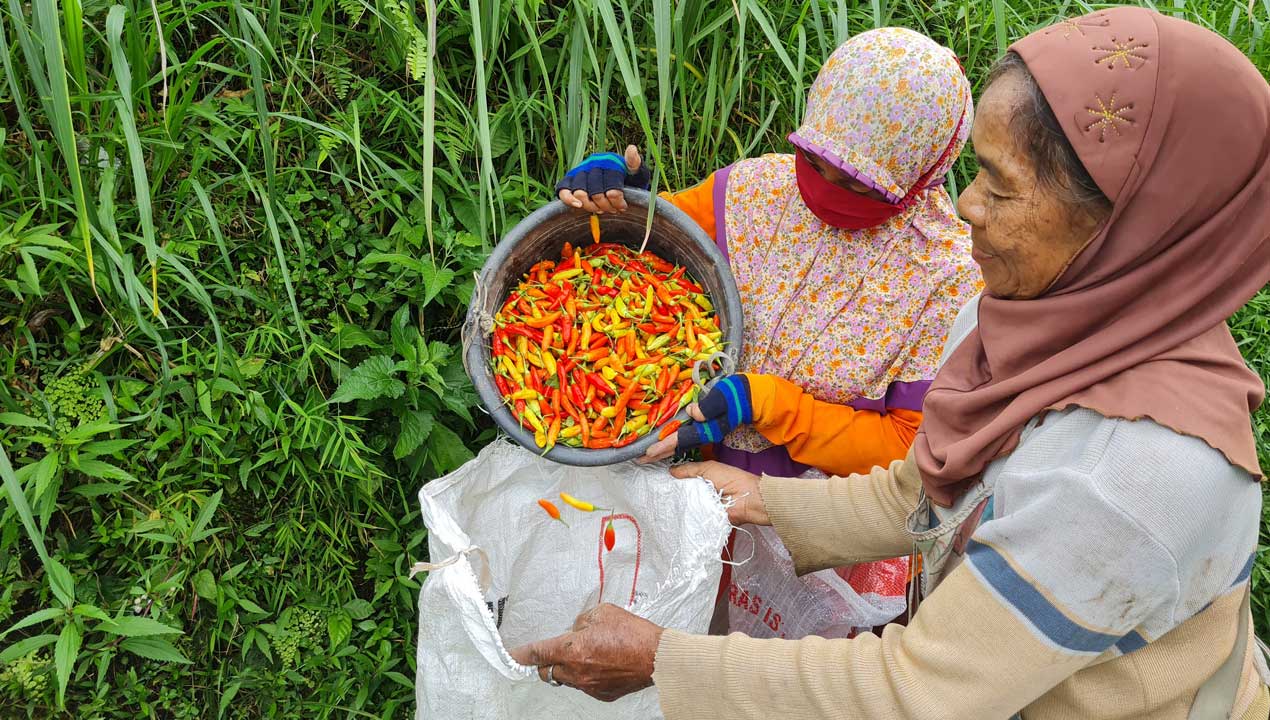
point(1023, 234)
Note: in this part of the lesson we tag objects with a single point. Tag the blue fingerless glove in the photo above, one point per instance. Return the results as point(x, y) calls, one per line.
point(727, 405)
point(602, 172)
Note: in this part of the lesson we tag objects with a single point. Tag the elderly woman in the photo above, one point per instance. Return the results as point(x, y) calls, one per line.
point(851, 265)
point(1084, 484)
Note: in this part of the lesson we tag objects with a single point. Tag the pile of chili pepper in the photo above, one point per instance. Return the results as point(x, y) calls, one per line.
point(596, 350)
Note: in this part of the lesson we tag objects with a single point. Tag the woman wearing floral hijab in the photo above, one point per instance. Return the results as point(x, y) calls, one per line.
point(850, 261)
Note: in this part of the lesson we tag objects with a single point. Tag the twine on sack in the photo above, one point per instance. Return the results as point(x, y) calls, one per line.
point(753, 546)
point(478, 325)
point(484, 580)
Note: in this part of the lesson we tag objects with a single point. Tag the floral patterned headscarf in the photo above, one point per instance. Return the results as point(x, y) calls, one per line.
point(889, 108)
point(859, 316)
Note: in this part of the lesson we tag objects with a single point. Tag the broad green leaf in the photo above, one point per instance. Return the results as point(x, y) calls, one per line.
point(34, 618)
point(205, 584)
point(227, 697)
point(251, 367)
point(24, 646)
point(86, 432)
point(370, 380)
point(434, 280)
point(154, 648)
point(61, 581)
point(103, 470)
point(134, 626)
point(351, 336)
point(447, 450)
point(13, 419)
point(64, 656)
point(92, 611)
point(18, 499)
point(205, 515)
point(96, 489)
point(416, 425)
point(338, 626)
point(251, 607)
point(359, 609)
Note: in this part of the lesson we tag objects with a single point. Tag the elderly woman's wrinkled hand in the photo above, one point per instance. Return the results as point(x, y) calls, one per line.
point(734, 483)
point(608, 654)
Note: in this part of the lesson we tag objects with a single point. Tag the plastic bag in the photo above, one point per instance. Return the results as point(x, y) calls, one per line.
point(767, 600)
point(504, 574)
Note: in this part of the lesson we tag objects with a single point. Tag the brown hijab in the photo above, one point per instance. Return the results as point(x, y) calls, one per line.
point(1173, 123)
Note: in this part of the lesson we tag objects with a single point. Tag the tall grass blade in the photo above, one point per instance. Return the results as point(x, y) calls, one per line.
point(430, 123)
point(46, 26)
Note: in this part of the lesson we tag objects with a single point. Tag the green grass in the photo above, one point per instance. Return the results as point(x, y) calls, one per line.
point(236, 241)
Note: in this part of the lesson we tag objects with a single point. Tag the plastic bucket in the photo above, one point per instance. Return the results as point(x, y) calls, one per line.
point(675, 237)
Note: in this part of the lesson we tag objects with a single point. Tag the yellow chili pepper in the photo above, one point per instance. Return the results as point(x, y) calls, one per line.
point(566, 274)
point(582, 505)
point(532, 417)
point(549, 364)
point(703, 301)
point(595, 228)
point(510, 367)
point(571, 431)
point(526, 394)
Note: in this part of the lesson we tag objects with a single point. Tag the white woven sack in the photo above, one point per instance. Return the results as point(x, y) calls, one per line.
point(506, 574)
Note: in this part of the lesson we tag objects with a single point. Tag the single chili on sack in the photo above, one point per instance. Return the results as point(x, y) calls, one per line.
point(552, 511)
point(596, 349)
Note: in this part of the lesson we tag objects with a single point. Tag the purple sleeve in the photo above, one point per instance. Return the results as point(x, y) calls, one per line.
point(720, 208)
point(899, 396)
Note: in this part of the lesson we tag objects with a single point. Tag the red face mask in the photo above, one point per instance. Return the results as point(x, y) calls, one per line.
point(838, 206)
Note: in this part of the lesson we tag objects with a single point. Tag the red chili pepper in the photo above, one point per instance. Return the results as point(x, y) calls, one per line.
point(626, 441)
point(610, 537)
point(601, 387)
point(527, 333)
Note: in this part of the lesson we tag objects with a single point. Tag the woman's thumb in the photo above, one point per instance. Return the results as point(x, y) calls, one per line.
point(633, 160)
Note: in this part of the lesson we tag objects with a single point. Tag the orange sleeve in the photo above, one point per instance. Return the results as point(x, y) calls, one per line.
point(837, 439)
point(698, 202)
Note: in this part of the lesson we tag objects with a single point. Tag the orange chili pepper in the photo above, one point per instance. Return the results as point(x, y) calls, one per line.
point(669, 429)
point(595, 228)
point(552, 511)
point(544, 321)
point(554, 433)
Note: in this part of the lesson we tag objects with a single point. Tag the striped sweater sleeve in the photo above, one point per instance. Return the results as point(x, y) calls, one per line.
point(1101, 536)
